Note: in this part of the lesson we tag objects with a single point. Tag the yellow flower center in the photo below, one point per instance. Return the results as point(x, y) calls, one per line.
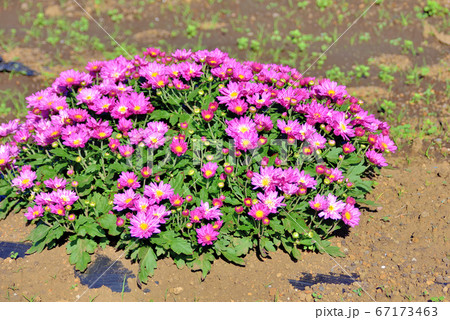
point(159, 193)
point(259, 213)
point(243, 129)
point(245, 142)
point(69, 80)
point(122, 109)
point(317, 205)
point(160, 83)
point(76, 142)
point(143, 226)
point(287, 129)
point(330, 208)
point(208, 173)
point(265, 182)
point(128, 200)
point(25, 181)
point(343, 127)
point(331, 92)
point(137, 108)
point(154, 140)
point(238, 108)
point(233, 94)
point(154, 74)
point(130, 181)
point(35, 213)
point(347, 215)
point(2, 161)
point(102, 134)
point(179, 149)
point(208, 237)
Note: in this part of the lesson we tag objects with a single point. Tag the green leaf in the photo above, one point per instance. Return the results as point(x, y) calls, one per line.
point(173, 119)
point(232, 257)
point(84, 180)
point(108, 222)
point(101, 202)
point(46, 172)
point(268, 245)
point(296, 254)
point(242, 245)
point(93, 168)
point(147, 263)
point(61, 153)
point(203, 263)
point(333, 154)
point(355, 172)
point(80, 250)
point(181, 246)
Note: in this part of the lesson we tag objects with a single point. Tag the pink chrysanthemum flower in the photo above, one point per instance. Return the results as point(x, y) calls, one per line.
point(319, 203)
point(125, 125)
point(34, 212)
point(209, 213)
point(78, 115)
point(266, 179)
point(348, 148)
point(142, 204)
point(330, 89)
point(154, 140)
point(260, 100)
point(350, 215)
point(124, 200)
point(126, 151)
point(178, 146)
point(247, 141)
point(259, 211)
point(43, 199)
point(64, 197)
point(58, 210)
point(102, 132)
point(159, 212)
point(88, 96)
point(114, 144)
point(206, 234)
point(158, 126)
point(335, 175)
point(143, 226)
point(376, 158)
point(316, 141)
point(271, 200)
point(176, 200)
point(56, 183)
point(158, 192)
point(129, 180)
point(237, 106)
point(76, 140)
point(238, 126)
point(385, 144)
point(333, 209)
point(209, 169)
point(306, 180)
point(25, 180)
point(342, 126)
point(196, 215)
point(229, 93)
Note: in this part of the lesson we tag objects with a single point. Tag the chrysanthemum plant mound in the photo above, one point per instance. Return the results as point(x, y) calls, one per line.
point(189, 155)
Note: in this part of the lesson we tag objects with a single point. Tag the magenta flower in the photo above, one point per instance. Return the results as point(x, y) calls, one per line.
point(158, 212)
point(142, 204)
point(58, 210)
point(125, 125)
point(64, 197)
point(376, 158)
point(330, 89)
point(335, 175)
point(158, 192)
point(209, 169)
point(259, 211)
point(55, 183)
point(342, 126)
point(124, 200)
point(206, 234)
point(271, 200)
point(196, 215)
point(129, 179)
point(348, 148)
point(247, 141)
point(238, 126)
point(34, 212)
point(126, 151)
point(209, 213)
point(350, 215)
point(178, 146)
point(76, 140)
point(143, 226)
point(266, 179)
point(319, 203)
point(176, 200)
point(155, 140)
point(237, 106)
point(333, 209)
point(25, 180)
point(384, 143)
point(231, 92)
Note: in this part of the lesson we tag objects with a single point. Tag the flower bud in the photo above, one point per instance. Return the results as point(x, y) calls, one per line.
point(71, 217)
point(74, 184)
point(119, 222)
point(239, 209)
